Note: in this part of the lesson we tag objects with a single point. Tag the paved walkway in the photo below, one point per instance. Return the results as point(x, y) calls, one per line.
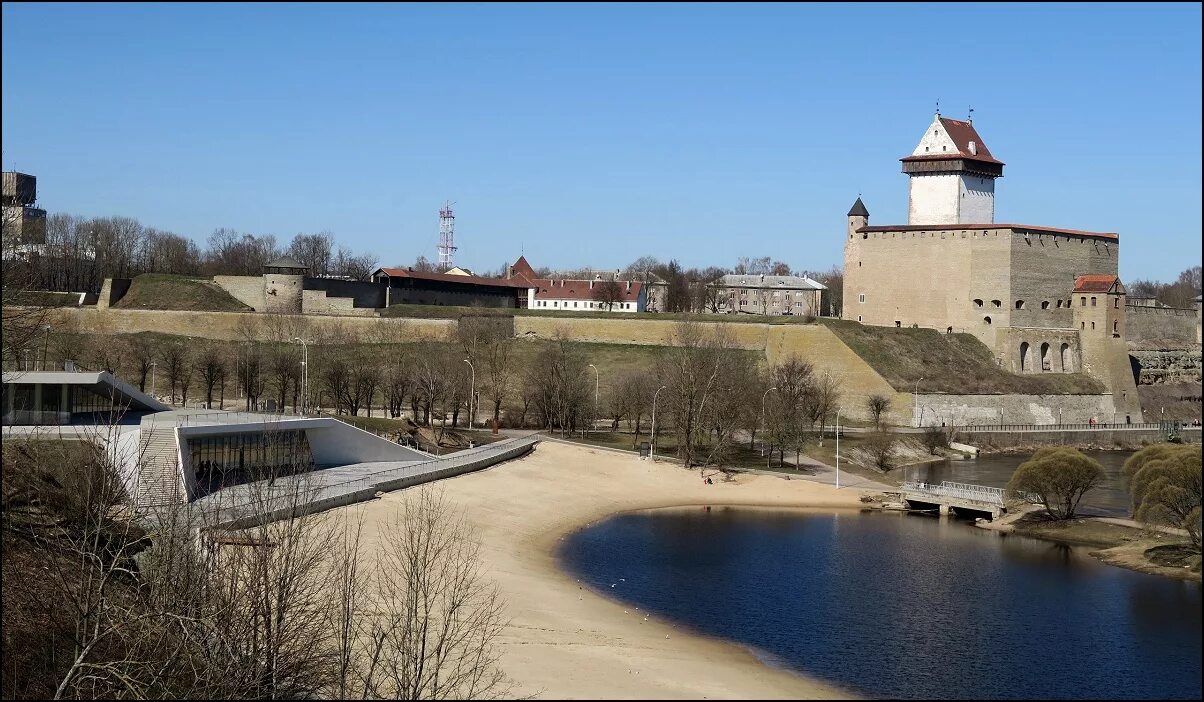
point(812, 470)
point(320, 490)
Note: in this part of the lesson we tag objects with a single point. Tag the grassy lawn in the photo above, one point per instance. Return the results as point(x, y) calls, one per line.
point(158, 291)
point(948, 363)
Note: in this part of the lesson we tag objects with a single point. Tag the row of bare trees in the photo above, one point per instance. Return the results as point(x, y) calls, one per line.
point(98, 604)
point(81, 252)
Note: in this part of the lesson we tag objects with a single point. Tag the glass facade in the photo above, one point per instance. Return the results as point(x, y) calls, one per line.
point(46, 404)
point(234, 459)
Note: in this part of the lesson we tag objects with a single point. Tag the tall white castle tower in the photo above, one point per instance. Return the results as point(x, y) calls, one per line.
point(952, 176)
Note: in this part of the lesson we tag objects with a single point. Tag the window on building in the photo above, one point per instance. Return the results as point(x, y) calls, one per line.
point(1116, 328)
point(978, 303)
point(1093, 325)
point(1082, 325)
point(858, 318)
point(1019, 304)
point(861, 297)
point(997, 303)
point(1045, 304)
point(1059, 304)
point(1093, 302)
point(1116, 303)
point(987, 321)
point(898, 324)
point(1082, 302)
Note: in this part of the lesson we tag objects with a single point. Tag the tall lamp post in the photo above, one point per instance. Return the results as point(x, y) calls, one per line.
point(837, 448)
point(763, 396)
point(597, 381)
point(652, 446)
point(916, 412)
point(472, 390)
point(304, 373)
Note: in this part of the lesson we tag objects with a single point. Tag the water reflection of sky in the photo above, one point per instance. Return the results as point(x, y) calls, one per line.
point(904, 606)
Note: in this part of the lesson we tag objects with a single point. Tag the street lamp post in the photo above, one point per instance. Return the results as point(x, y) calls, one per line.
point(45, 346)
point(597, 381)
point(915, 413)
point(763, 396)
point(652, 446)
point(837, 448)
point(304, 373)
point(472, 390)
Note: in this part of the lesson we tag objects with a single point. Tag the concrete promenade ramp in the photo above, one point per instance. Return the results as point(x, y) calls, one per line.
point(316, 491)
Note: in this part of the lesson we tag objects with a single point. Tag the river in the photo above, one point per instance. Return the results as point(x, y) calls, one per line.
point(1109, 499)
point(903, 606)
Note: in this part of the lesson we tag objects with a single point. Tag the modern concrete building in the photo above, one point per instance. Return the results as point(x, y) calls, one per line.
point(168, 457)
point(24, 223)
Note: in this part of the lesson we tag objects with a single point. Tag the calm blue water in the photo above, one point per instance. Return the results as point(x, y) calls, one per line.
point(890, 605)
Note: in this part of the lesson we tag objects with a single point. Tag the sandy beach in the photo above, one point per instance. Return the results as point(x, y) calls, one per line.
point(565, 641)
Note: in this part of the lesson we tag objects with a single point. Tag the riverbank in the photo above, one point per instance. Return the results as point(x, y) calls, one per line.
point(565, 641)
point(1120, 542)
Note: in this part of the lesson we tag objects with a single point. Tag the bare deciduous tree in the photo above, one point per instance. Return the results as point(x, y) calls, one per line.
point(877, 405)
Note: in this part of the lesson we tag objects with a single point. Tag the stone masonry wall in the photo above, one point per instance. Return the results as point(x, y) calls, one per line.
point(247, 289)
point(962, 410)
point(233, 326)
point(1144, 324)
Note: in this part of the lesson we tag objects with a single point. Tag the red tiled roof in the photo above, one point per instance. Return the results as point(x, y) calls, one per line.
point(962, 134)
point(1095, 283)
point(1111, 236)
point(523, 269)
point(580, 289)
point(444, 277)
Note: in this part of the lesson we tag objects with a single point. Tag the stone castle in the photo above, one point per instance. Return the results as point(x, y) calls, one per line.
point(1045, 300)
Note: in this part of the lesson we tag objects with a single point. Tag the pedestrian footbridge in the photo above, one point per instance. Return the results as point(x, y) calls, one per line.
point(960, 497)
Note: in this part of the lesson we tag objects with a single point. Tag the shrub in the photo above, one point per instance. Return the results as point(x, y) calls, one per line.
point(1164, 482)
point(1055, 478)
point(881, 447)
point(934, 438)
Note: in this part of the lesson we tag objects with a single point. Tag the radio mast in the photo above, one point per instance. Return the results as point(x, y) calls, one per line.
point(447, 237)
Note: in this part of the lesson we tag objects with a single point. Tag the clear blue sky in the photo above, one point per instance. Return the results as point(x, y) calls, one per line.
point(589, 135)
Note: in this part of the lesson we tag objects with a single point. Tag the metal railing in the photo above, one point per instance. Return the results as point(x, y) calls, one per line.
point(964, 491)
point(1098, 426)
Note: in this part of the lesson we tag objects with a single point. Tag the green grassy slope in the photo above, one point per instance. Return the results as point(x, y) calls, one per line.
point(949, 363)
point(157, 291)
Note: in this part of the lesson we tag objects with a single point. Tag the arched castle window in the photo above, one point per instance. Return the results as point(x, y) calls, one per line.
point(1093, 302)
point(1019, 304)
point(1046, 361)
point(978, 303)
point(1024, 356)
point(1059, 304)
point(997, 303)
point(987, 321)
point(1045, 304)
point(1093, 325)
point(1082, 302)
point(1116, 328)
point(1116, 303)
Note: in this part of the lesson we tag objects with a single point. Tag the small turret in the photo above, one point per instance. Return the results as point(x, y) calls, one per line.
point(859, 217)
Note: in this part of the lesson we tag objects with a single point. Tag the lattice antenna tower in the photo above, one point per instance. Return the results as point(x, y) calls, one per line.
point(447, 236)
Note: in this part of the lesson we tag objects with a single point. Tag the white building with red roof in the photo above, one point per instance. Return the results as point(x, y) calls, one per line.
point(598, 294)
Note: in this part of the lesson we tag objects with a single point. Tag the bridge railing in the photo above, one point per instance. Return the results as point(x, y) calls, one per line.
point(965, 491)
point(1099, 426)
